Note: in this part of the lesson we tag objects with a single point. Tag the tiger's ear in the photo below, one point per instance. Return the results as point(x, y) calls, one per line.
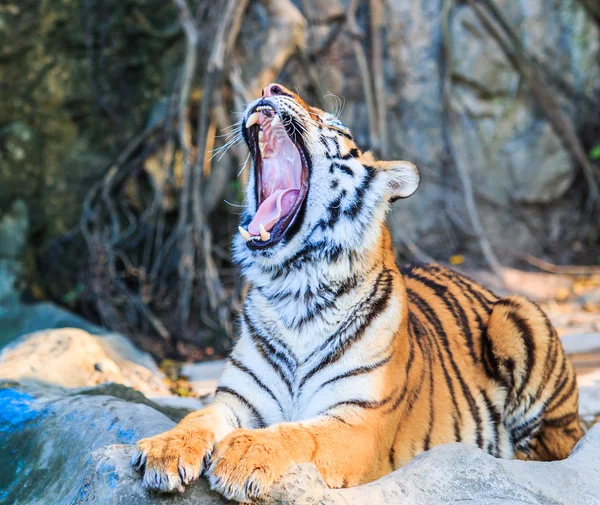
point(402, 177)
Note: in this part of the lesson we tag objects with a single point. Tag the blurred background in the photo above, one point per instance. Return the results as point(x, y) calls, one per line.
point(121, 179)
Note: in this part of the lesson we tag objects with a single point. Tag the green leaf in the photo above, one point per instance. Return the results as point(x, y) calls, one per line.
point(595, 153)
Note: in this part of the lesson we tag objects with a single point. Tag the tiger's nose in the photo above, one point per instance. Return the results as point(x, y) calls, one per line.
point(275, 89)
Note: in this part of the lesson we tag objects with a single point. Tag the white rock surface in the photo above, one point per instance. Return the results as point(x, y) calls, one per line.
point(448, 474)
point(589, 395)
point(70, 357)
point(203, 376)
point(580, 342)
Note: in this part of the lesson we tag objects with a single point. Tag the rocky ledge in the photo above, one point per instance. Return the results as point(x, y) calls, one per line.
point(74, 446)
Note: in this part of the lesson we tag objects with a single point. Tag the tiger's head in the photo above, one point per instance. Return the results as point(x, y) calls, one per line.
point(310, 187)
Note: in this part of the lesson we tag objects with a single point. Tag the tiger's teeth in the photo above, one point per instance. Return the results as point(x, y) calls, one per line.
point(275, 121)
point(244, 234)
point(264, 234)
point(261, 146)
point(252, 119)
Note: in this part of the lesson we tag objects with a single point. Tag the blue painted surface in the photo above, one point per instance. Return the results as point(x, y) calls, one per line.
point(127, 436)
point(15, 409)
point(109, 473)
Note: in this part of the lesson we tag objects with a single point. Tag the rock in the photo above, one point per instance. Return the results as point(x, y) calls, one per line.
point(14, 227)
point(112, 479)
point(514, 157)
point(23, 319)
point(460, 473)
point(65, 350)
point(47, 437)
point(71, 448)
point(580, 342)
point(589, 395)
point(203, 377)
point(71, 357)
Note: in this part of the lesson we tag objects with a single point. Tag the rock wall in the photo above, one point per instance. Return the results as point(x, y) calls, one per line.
point(519, 167)
point(81, 80)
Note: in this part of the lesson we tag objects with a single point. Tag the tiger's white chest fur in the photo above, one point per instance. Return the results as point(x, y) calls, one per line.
point(307, 341)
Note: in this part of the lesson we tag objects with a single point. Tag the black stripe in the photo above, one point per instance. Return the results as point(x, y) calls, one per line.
point(496, 420)
point(413, 324)
point(559, 385)
point(363, 404)
point(424, 307)
point(550, 359)
point(523, 432)
point(433, 319)
point(527, 336)
point(375, 303)
point(328, 297)
point(549, 454)
point(260, 421)
point(491, 365)
point(564, 397)
point(485, 297)
point(334, 211)
point(340, 419)
point(323, 141)
point(309, 253)
point(359, 193)
point(430, 421)
point(269, 354)
point(454, 307)
point(344, 168)
point(552, 353)
point(259, 383)
point(560, 422)
point(353, 153)
point(357, 371)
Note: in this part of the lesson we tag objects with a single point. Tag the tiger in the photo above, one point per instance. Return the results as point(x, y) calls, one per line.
point(343, 359)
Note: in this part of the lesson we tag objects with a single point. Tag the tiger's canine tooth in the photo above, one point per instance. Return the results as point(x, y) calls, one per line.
point(244, 234)
point(276, 120)
point(264, 234)
point(252, 119)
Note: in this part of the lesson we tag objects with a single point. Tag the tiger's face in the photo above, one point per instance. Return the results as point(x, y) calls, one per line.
point(310, 186)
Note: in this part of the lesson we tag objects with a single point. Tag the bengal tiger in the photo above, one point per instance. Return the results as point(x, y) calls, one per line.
point(343, 360)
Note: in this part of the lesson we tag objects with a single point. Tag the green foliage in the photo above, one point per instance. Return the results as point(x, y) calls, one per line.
point(595, 153)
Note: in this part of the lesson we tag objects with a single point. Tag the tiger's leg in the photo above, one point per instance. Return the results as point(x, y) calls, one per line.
point(247, 462)
point(527, 358)
point(173, 459)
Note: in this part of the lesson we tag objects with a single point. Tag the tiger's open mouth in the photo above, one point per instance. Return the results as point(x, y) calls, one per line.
point(281, 170)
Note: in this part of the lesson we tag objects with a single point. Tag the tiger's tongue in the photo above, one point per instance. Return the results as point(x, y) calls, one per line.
point(276, 205)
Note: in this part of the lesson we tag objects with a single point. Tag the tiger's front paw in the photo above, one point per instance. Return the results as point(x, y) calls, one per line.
point(173, 459)
point(246, 463)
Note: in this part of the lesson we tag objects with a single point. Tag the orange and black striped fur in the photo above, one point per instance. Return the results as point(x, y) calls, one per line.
point(344, 360)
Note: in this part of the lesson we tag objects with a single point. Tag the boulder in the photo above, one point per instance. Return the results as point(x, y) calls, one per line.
point(66, 447)
point(21, 319)
point(71, 357)
point(203, 377)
